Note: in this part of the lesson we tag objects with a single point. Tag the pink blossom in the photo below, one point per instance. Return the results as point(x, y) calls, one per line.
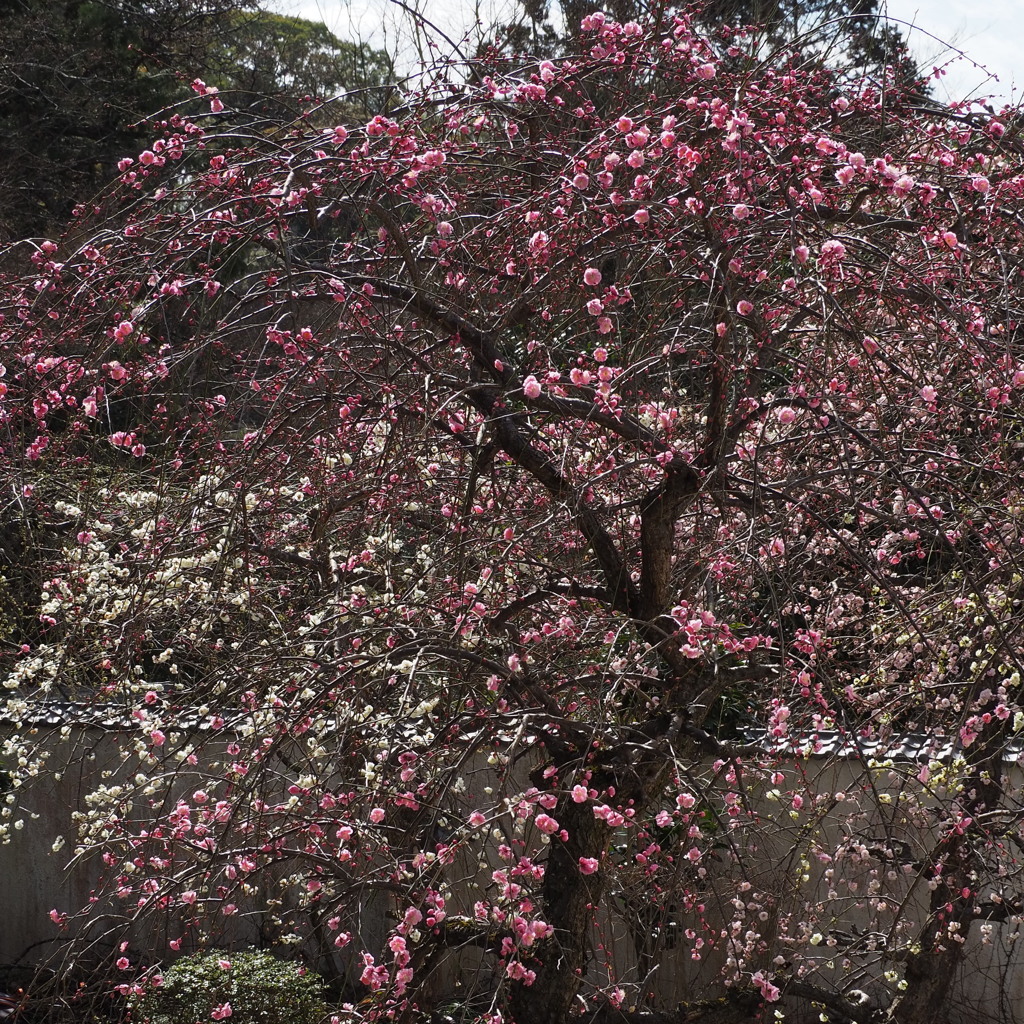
point(444, 229)
point(950, 239)
point(579, 794)
point(373, 976)
point(377, 815)
point(744, 308)
point(980, 183)
point(517, 972)
point(608, 814)
point(531, 387)
point(832, 251)
point(595, 307)
point(546, 823)
point(588, 865)
point(928, 393)
point(604, 326)
point(706, 71)
point(624, 124)
point(476, 819)
point(741, 211)
point(539, 241)
point(581, 180)
point(769, 992)
point(592, 276)
point(903, 184)
point(157, 738)
point(641, 216)
point(221, 1012)
point(786, 415)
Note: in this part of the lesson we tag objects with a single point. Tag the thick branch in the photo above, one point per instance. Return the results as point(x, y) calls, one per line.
point(659, 512)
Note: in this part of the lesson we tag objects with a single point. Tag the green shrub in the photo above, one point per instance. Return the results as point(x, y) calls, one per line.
point(236, 988)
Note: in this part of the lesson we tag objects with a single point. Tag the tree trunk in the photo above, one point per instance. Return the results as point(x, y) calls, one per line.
point(931, 969)
point(928, 975)
point(569, 898)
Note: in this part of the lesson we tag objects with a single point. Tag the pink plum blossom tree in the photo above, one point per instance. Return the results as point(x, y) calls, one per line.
point(500, 522)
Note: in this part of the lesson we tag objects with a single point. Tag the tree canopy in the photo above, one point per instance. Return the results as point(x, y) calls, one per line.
point(500, 519)
point(267, 57)
point(79, 80)
point(852, 35)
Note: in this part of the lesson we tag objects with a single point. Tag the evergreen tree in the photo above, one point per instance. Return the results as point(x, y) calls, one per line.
point(850, 33)
point(269, 60)
point(78, 81)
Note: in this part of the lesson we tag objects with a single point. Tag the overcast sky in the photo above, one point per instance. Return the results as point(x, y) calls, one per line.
point(990, 32)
